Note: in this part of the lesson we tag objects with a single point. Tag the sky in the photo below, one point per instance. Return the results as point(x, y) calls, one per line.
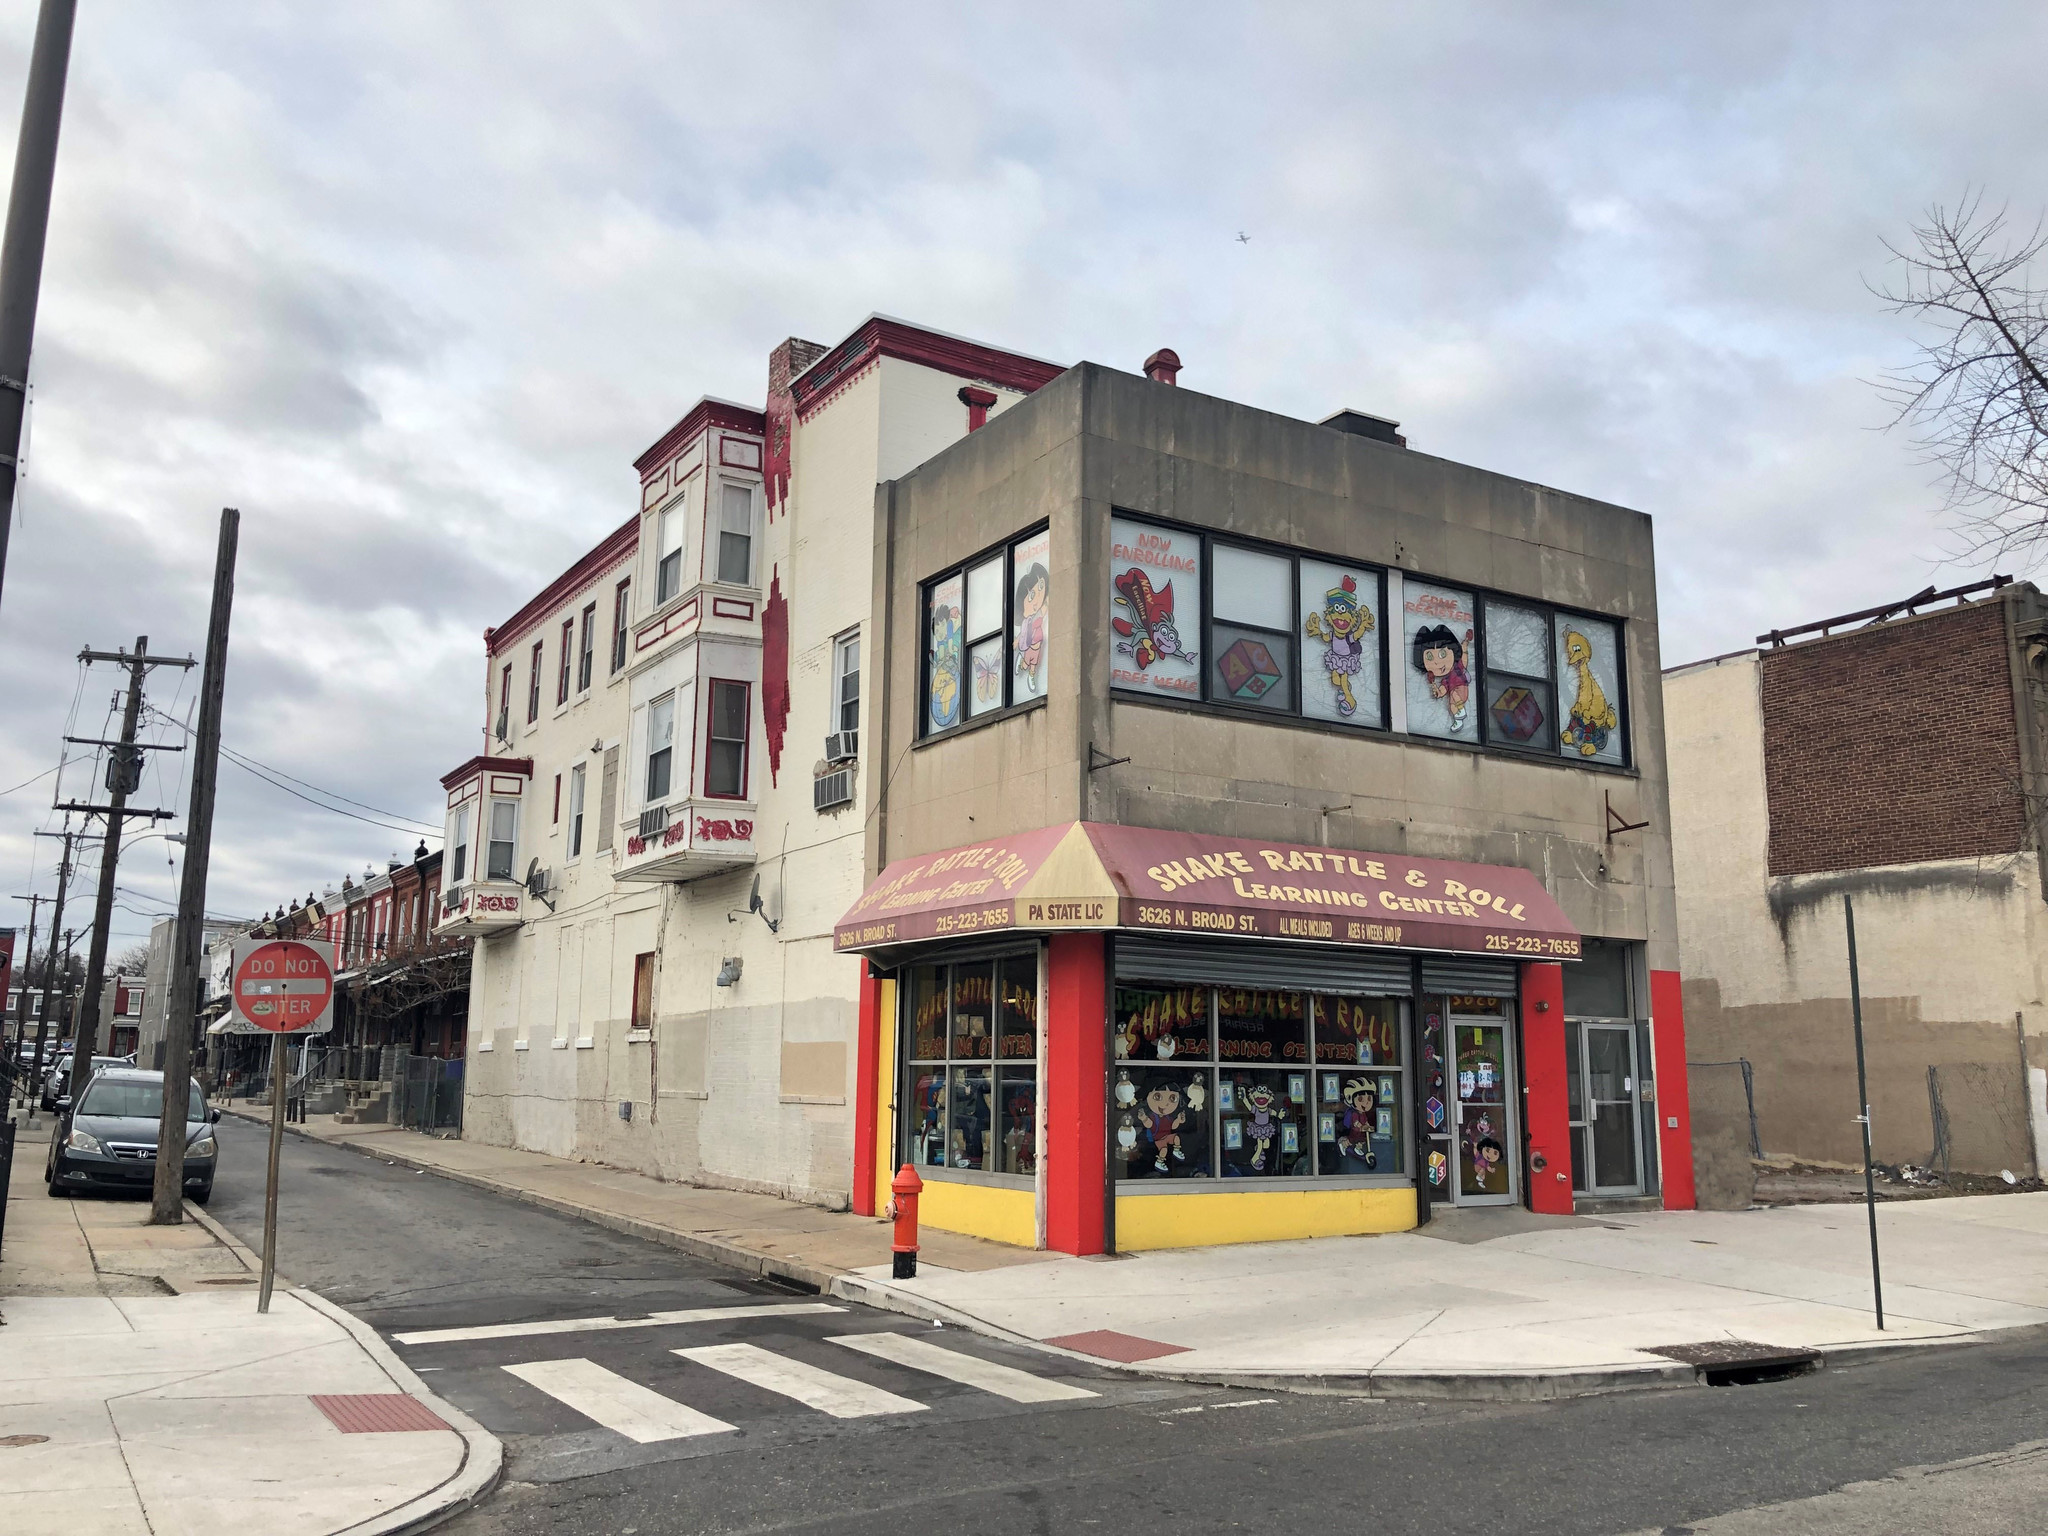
point(412, 284)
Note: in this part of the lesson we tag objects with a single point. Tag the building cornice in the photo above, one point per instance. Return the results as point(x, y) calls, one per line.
point(707, 412)
point(879, 337)
point(618, 544)
point(481, 765)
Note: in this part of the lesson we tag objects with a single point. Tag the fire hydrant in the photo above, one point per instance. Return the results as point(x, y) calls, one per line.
point(906, 1187)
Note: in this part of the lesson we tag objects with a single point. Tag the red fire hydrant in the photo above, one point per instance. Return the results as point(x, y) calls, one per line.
point(906, 1187)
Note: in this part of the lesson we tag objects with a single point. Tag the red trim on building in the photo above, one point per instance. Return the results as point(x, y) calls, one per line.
point(1674, 1094)
point(877, 337)
point(978, 401)
point(775, 672)
point(1076, 1093)
point(1546, 1109)
point(867, 1091)
point(481, 765)
point(621, 541)
point(707, 412)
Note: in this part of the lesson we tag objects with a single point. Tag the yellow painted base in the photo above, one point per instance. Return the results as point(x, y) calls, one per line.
point(1203, 1221)
point(979, 1210)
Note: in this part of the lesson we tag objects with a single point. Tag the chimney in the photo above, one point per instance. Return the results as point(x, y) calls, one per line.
point(978, 401)
point(1365, 424)
point(1163, 366)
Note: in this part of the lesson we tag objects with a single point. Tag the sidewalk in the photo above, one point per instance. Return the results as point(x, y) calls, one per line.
point(140, 1391)
point(1480, 1303)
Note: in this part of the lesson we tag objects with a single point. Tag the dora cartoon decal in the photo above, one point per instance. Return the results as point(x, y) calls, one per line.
point(1162, 1119)
point(1034, 588)
point(1440, 656)
point(945, 667)
point(1148, 633)
point(1355, 1128)
point(1592, 717)
point(1339, 626)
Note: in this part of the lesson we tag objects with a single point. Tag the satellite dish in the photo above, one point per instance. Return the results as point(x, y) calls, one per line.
point(754, 905)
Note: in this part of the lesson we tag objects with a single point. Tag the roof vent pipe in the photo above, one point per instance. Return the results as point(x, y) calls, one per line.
point(978, 402)
point(1163, 366)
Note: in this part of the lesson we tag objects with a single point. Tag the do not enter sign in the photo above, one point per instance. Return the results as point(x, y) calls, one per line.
point(284, 986)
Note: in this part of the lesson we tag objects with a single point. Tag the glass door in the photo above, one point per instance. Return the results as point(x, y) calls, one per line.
point(1482, 1103)
point(1610, 1108)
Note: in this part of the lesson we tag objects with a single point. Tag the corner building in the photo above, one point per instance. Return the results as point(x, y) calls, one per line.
point(1269, 837)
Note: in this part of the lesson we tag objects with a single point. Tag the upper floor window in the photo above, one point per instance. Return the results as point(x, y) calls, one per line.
point(533, 685)
point(576, 811)
point(504, 839)
point(458, 846)
point(661, 746)
point(1204, 619)
point(988, 634)
point(503, 733)
point(621, 609)
point(668, 552)
point(725, 759)
point(586, 653)
point(735, 533)
point(845, 705)
point(568, 653)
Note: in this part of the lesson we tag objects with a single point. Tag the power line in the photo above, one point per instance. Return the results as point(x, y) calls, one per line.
point(24, 784)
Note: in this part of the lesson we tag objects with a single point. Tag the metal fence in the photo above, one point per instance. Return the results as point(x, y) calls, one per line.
point(426, 1094)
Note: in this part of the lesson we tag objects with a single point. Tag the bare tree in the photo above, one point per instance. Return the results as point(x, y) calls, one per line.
point(132, 961)
point(1977, 399)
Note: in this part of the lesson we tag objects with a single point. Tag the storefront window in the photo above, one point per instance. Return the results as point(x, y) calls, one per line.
point(987, 633)
point(1589, 688)
point(1260, 1112)
point(973, 1079)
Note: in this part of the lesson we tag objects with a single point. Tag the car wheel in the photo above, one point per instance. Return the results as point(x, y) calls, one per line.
point(201, 1196)
point(58, 1191)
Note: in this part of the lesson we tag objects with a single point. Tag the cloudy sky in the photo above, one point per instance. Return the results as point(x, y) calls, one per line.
point(412, 284)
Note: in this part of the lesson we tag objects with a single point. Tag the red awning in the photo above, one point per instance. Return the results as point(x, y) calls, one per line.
point(1091, 875)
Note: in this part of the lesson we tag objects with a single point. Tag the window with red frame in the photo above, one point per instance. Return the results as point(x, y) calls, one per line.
point(725, 758)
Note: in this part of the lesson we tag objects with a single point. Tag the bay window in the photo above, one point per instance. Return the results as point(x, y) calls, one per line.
point(725, 758)
point(661, 743)
point(503, 851)
point(668, 552)
point(458, 846)
point(736, 533)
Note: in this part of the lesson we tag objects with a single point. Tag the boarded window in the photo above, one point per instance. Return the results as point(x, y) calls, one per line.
point(643, 991)
point(607, 799)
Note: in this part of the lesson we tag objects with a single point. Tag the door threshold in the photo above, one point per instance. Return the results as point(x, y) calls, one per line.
point(1615, 1205)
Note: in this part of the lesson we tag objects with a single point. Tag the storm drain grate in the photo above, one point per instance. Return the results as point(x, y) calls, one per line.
point(1741, 1362)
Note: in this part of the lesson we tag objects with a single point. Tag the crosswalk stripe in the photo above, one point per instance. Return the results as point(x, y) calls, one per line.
point(599, 1324)
point(639, 1413)
point(970, 1370)
point(840, 1396)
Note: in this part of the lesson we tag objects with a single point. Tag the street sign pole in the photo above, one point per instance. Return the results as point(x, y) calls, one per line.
point(1863, 1103)
point(278, 1069)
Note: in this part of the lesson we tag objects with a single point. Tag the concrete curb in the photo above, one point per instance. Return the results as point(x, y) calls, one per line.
point(810, 1277)
point(483, 1455)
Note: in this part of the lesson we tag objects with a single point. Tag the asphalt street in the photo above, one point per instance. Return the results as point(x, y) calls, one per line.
point(776, 1417)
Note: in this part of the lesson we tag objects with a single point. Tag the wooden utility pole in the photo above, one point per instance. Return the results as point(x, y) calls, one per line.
point(188, 933)
point(124, 772)
point(124, 776)
point(28, 222)
point(49, 965)
point(27, 968)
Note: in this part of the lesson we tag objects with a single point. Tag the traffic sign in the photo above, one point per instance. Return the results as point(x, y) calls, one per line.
point(283, 987)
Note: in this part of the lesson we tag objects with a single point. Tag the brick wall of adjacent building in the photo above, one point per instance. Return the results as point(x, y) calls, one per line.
point(1893, 744)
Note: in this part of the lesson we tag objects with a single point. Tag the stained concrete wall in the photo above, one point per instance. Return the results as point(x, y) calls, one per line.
point(1096, 439)
point(1950, 951)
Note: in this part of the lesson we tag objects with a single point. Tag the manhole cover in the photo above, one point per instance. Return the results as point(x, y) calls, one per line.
point(16, 1442)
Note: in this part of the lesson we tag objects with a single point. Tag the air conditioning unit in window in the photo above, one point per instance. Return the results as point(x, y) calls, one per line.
point(654, 819)
point(842, 746)
point(832, 789)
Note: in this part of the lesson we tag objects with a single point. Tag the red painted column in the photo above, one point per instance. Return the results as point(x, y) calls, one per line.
point(1074, 1127)
point(1546, 1105)
point(1674, 1096)
point(866, 1092)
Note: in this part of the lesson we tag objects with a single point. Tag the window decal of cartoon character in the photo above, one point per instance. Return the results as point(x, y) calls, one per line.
point(1359, 1121)
point(1592, 717)
point(1441, 658)
point(1339, 625)
point(1146, 630)
point(1259, 1099)
point(943, 658)
point(1027, 644)
point(1162, 1118)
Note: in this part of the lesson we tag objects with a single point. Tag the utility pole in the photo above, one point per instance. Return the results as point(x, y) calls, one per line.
point(124, 774)
point(28, 222)
point(1863, 1105)
point(50, 979)
point(188, 933)
point(27, 978)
